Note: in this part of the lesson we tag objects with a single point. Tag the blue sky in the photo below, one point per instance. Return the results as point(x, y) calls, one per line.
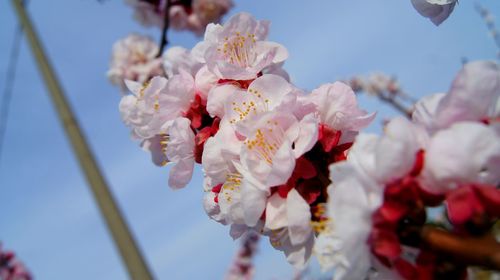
point(48, 214)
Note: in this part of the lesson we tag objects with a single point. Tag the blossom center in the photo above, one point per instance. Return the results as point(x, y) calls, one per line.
point(138, 57)
point(258, 104)
point(319, 222)
point(145, 86)
point(232, 184)
point(239, 50)
point(266, 141)
point(164, 138)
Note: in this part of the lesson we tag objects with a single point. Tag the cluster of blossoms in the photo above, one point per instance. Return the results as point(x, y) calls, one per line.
point(137, 57)
point(134, 58)
point(264, 144)
point(448, 154)
point(192, 15)
point(11, 268)
point(290, 165)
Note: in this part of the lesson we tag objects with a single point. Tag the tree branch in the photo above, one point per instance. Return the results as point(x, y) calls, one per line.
point(386, 89)
point(396, 105)
point(482, 251)
point(490, 23)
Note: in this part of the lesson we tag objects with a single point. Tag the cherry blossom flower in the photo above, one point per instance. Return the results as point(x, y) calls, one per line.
point(211, 201)
point(148, 13)
point(222, 203)
point(227, 185)
point(277, 127)
point(156, 146)
point(180, 151)
point(266, 93)
point(436, 10)
point(297, 255)
point(289, 222)
point(268, 158)
point(241, 197)
point(354, 197)
point(177, 58)
point(139, 110)
point(11, 268)
point(238, 50)
point(467, 203)
point(205, 81)
point(425, 110)
point(233, 189)
point(357, 193)
point(134, 58)
point(205, 12)
point(151, 109)
point(385, 185)
point(180, 93)
point(351, 207)
point(228, 202)
point(339, 113)
point(273, 142)
point(220, 152)
point(178, 17)
point(466, 153)
point(183, 15)
point(474, 96)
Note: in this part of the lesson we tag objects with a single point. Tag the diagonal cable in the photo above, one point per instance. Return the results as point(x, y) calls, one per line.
point(9, 85)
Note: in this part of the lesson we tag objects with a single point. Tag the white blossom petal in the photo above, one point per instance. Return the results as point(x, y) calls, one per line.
point(299, 218)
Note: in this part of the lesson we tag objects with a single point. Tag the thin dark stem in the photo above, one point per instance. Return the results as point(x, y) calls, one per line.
point(9, 85)
point(166, 22)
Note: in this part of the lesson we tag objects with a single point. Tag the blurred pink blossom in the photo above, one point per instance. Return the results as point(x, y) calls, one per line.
point(134, 58)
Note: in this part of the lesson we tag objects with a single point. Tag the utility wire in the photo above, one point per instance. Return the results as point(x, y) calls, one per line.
point(9, 84)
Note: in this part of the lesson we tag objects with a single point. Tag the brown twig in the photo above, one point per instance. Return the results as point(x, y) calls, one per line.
point(481, 251)
point(396, 105)
point(490, 23)
point(387, 91)
point(166, 23)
